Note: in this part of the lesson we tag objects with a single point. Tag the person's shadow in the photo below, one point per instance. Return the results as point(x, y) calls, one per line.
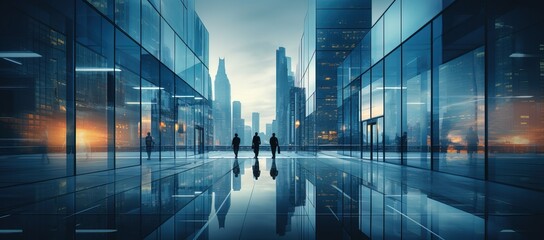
point(256, 169)
point(274, 170)
point(236, 168)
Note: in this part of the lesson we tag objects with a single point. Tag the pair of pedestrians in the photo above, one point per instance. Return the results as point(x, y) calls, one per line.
point(255, 143)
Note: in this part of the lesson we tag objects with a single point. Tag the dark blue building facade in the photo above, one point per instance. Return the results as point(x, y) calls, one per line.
point(451, 86)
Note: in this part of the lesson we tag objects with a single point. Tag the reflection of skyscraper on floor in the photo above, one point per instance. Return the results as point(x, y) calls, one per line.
point(222, 197)
point(285, 196)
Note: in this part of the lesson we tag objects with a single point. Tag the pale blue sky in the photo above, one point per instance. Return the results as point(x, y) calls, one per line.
point(247, 33)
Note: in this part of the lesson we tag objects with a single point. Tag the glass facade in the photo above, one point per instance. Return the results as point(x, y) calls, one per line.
point(84, 82)
point(450, 86)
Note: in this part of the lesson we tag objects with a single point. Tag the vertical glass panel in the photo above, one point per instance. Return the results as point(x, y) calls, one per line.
point(416, 79)
point(181, 58)
point(459, 91)
point(94, 80)
point(377, 90)
point(392, 27)
point(365, 52)
point(150, 29)
point(393, 217)
point(127, 17)
point(377, 42)
point(183, 97)
point(172, 11)
point(365, 96)
point(355, 63)
point(199, 81)
point(104, 6)
point(167, 109)
point(516, 95)
point(167, 45)
point(379, 7)
point(355, 121)
point(150, 94)
point(343, 18)
point(416, 13)
point(190, 72)
point(33, 96)
point(127, 101)
point(392, 108)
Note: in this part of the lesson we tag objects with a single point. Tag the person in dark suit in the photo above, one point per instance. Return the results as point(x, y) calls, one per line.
point(255, 144)
point(149, 143)
point(235, 145)
point(274, 144)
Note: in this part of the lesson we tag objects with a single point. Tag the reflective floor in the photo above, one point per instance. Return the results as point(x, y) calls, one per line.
point(296, 196)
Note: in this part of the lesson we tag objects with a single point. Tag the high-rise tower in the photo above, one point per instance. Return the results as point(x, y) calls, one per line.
point(221, 105)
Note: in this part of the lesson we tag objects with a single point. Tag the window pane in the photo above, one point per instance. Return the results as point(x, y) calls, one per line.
point(392, 111)
point(377, 42)
point(416, 81)
point(416, 13)
point(377, 90)
point(392, 27)
point(94, 79)
point(345, 18)
point(167, 46)
point(150, 29)
point(127, 102)
point(34, 105)
point(127, 17)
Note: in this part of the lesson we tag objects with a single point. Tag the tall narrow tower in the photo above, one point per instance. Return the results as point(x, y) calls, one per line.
point(222, 107)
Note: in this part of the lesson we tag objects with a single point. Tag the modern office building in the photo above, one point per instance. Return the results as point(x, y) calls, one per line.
point(331, 30)
point(255, 122)
point(82, 84)
point(283, 86)
point(452, 86)
point(237, 121)
point(222, 107)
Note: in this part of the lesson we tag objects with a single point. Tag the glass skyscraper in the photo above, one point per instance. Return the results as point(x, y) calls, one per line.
point(84, 83)
point(331, 30)
point(451, 86)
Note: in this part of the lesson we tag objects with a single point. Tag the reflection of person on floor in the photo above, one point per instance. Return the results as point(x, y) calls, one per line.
point(44, 149)
point(256, 170)
point(274, 145)
point(236, 168)
point(472, 142)
point(235, 145)
point(149, 143)
point(255, 144)
point(273, 169)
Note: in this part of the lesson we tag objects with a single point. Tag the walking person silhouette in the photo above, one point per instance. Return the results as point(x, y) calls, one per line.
point(273, 145)
point(255, 144)
point(149, 143)
point(235, 145)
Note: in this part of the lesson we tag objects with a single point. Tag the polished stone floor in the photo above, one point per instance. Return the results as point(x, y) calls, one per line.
point(296, 196)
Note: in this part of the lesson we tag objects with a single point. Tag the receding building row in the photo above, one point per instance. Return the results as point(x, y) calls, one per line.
point(82, 83)
point(451, 86)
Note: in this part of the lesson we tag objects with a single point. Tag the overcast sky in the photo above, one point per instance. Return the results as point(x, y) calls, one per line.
point(247, 33)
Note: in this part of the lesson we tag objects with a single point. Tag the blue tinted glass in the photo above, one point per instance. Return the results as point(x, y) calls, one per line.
point(127, 101)
point(94, 80)
point(377, 90)
point(416, 82)
point(392, 105)
point(379, 7)
point(150, 29)
point(104, 6)
point(173, 12)
point(392, 28)
point(377, 42)
point(416, 13)
point(167, 45)
point(127, 17)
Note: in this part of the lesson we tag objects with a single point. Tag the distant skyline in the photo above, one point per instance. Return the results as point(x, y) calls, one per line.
point(247, 33)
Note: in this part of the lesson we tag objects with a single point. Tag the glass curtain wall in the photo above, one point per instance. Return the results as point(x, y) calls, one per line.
point(416, 98)
point(95, 73)
point(392, 108)
point(127, 101)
